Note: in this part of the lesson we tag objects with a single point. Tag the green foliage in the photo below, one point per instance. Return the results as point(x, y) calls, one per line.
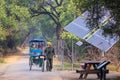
point(12, 22)
point(67, 35)
point(97, 8)
point(69, 39)
point(2, 33)
point(68, 12)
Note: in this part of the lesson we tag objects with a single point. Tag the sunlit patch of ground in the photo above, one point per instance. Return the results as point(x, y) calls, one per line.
point(55, 61)
point(11, 59)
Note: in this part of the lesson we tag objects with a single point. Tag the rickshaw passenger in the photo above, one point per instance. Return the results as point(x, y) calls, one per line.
point(34, 49)
point(39, 50)
point(33, 46)
point(40, 46)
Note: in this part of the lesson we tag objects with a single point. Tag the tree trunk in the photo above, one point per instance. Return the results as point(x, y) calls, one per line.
point(25, 40)
point(58, 31)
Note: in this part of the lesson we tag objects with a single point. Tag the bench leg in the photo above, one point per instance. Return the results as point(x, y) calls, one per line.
point(81, 76)
point(85, 76)
point(101, 76)
point(104, 75)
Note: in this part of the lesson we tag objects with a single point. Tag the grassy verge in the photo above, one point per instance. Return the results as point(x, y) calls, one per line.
point(113, 68)
point(68, 66)
point(2, 60)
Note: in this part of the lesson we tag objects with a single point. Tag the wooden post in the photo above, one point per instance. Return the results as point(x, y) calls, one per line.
point(72, 54)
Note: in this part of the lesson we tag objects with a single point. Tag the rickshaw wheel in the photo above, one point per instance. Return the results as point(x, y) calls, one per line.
point(30, 63)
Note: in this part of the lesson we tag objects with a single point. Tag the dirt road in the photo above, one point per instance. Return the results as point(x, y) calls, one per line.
point(20, 71)
point(17, 68)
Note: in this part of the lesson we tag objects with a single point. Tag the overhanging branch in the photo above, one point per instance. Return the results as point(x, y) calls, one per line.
point(37, 13)
point(59, 3)
point(50, 13)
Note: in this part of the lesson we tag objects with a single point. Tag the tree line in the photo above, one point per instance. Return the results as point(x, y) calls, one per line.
point(27, 18)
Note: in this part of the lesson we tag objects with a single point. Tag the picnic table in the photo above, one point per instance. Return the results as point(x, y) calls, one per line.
point(99, 68)
point(87, 66)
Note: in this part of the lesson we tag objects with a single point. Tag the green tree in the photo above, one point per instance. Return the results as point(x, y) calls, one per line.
point(49, 8)
point(61, 13)
point(97, 8)
point(12, 19)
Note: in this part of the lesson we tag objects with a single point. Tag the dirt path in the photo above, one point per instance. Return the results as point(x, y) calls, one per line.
point(17, 67)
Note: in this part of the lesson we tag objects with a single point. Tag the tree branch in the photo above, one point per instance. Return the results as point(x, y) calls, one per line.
point(59, 3)
point(54, 10)
point(37, 13)
point(50, 13)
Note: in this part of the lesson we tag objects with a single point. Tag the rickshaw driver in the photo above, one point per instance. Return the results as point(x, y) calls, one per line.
point(49, 51)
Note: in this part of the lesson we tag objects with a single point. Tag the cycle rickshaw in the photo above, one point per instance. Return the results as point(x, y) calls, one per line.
point(36, 53)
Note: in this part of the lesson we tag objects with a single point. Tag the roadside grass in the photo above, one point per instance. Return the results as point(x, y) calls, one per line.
point(9, 58)
point(68, 66)
point(2, 60)
point(113, 68)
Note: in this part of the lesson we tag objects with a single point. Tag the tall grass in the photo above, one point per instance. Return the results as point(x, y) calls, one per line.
point(1, 60)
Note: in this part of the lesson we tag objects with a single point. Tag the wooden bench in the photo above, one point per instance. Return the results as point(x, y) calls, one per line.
point(100, 71)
